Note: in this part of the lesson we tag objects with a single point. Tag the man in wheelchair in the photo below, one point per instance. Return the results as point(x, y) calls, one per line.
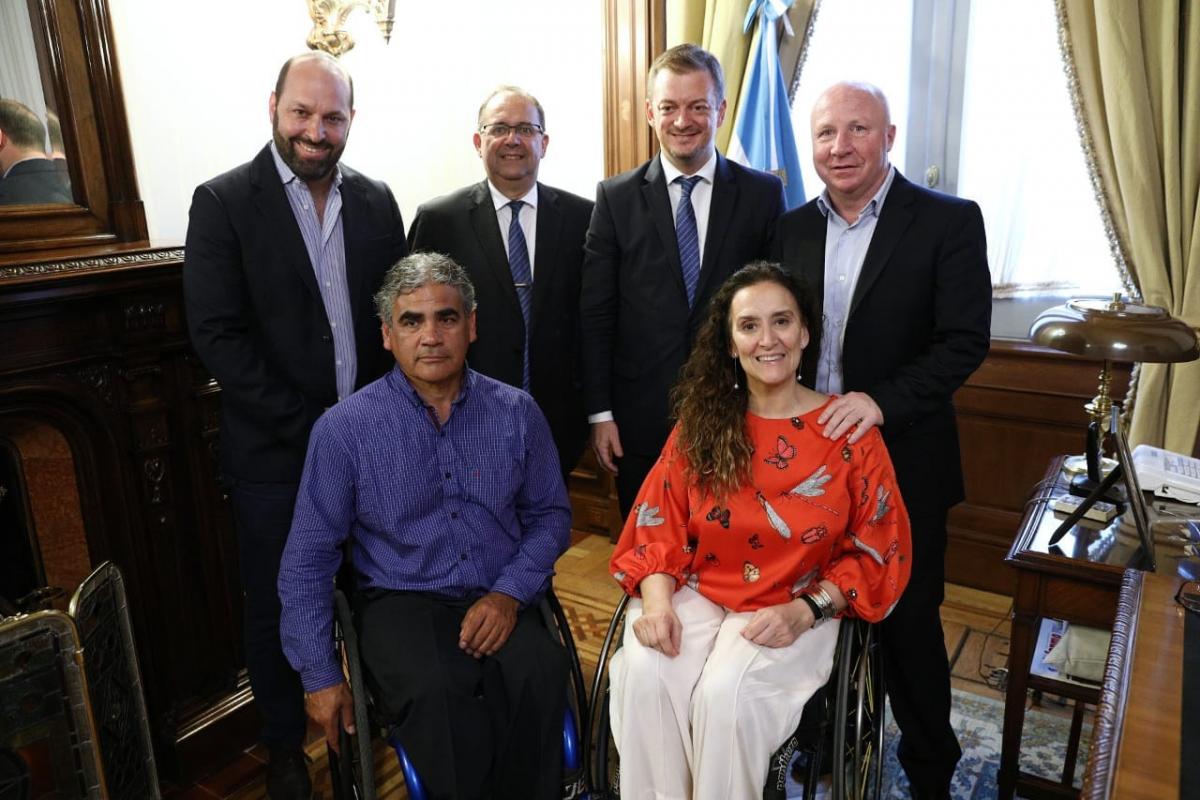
point(447, 485)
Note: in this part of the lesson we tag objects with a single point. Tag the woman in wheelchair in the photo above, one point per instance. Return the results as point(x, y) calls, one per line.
point(750, 536)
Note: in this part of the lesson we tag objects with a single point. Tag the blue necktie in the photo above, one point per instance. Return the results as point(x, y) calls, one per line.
point(518, 262)
point(688, 238)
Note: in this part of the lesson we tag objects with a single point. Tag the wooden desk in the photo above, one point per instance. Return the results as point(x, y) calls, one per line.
point(1079, 581)
point(1136, 746)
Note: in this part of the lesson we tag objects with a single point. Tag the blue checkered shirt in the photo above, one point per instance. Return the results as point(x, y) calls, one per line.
point(469, 507)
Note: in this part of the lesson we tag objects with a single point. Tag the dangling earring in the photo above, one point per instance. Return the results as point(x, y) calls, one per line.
point(735, 370)
point(798, 376)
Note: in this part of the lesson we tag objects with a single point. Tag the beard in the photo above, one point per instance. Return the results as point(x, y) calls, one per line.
point(305, 169)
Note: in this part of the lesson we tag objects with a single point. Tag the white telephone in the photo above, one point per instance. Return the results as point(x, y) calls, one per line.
point(1168, 474)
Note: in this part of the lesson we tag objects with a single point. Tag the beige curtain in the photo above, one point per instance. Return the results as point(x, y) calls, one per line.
point(716, 25)
point(1135, 69)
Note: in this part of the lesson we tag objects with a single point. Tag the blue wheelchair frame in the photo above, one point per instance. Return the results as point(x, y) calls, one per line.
point(352, 774)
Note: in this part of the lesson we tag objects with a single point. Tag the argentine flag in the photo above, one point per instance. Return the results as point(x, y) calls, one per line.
point(762, 133)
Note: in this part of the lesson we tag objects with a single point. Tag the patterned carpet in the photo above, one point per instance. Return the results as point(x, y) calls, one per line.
point(978, 721)
point(976, 637)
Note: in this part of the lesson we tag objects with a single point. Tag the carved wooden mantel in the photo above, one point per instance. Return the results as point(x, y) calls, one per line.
point(96, 348)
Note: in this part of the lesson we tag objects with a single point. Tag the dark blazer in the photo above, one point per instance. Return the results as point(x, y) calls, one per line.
point(919, 325)
point(463, 226)
point(256, 317)
point(37, 180)
point(637, 327)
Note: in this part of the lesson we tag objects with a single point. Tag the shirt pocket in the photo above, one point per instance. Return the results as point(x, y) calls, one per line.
point(494, 488)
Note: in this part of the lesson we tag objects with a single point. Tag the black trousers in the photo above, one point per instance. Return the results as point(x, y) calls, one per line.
point(916, 668)
point(632, 470)
point(473, 728)
point(262, 516)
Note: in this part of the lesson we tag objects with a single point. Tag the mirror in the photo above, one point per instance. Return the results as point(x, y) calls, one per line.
point(33, 159)
point(68, 180)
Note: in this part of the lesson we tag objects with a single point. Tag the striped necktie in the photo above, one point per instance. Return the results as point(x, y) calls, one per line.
point(687, 236)
point(518, 262)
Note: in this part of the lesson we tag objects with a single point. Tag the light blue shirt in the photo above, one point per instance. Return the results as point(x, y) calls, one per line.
point(845, 250)
point(327, 252)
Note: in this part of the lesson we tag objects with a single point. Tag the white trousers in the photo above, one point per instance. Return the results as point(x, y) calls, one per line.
point(703, 725)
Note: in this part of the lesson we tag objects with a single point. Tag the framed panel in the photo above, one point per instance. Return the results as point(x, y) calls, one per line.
point(72, 44)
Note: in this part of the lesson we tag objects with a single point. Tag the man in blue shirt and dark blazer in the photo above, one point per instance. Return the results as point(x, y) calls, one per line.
point(446, 485)
point(663, 238)
point(900, 283)
point(283, 255)
point(474, 226)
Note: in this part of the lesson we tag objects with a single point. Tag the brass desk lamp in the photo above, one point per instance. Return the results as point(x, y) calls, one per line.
point(1107, 331)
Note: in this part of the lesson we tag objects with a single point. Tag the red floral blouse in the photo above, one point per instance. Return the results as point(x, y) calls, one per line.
point(816, 509)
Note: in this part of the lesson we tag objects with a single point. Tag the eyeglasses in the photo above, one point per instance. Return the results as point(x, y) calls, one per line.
point(500, 130)
point(1188, 596)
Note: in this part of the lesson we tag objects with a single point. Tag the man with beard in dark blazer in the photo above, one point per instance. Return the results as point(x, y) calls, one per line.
point(900, 281)
point(663, 238)
point(283, 256)
point(521, 241)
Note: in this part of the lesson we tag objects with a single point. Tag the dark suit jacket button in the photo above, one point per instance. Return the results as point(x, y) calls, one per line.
point(327, 338)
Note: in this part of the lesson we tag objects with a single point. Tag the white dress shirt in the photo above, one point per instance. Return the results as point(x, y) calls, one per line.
point(528, 219)
point(701, 194)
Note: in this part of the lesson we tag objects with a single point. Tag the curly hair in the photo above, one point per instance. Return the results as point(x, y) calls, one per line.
point(711, 413)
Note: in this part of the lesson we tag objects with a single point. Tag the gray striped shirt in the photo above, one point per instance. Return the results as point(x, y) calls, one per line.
point(327, 253)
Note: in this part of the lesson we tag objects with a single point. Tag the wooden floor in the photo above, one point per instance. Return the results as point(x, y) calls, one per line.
point(975, 623)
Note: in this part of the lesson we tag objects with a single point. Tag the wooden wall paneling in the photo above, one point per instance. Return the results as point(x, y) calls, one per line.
point(635, 32)
point(1021, 408)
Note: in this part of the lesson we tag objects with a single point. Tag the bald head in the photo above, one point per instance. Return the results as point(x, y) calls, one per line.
point(852, 134)
point(844, 89)
point(321, 59)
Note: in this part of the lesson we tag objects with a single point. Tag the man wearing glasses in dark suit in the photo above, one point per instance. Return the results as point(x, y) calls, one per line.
point(521, 241)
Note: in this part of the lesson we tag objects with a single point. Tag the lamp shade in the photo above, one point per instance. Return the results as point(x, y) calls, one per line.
point(1115, 330)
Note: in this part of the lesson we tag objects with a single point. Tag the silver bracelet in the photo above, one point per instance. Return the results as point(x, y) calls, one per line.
point(824, 603)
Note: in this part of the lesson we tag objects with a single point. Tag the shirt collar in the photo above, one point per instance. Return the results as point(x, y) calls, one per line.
point(287, 176)
point(870, 209)
point(500, 201)
point(400, 383)
point(13, 165)
point(671, 172)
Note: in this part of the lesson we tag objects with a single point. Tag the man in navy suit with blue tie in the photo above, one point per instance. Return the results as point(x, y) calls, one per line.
point(663, 238)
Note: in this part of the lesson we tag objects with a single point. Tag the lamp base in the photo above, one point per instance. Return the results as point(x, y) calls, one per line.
point(1082, 486)
point(1077, 465)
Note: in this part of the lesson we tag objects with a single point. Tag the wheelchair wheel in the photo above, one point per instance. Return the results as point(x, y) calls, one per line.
point(859, 714)
point(605, 761)
point(353, 773)
point(576, 766)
